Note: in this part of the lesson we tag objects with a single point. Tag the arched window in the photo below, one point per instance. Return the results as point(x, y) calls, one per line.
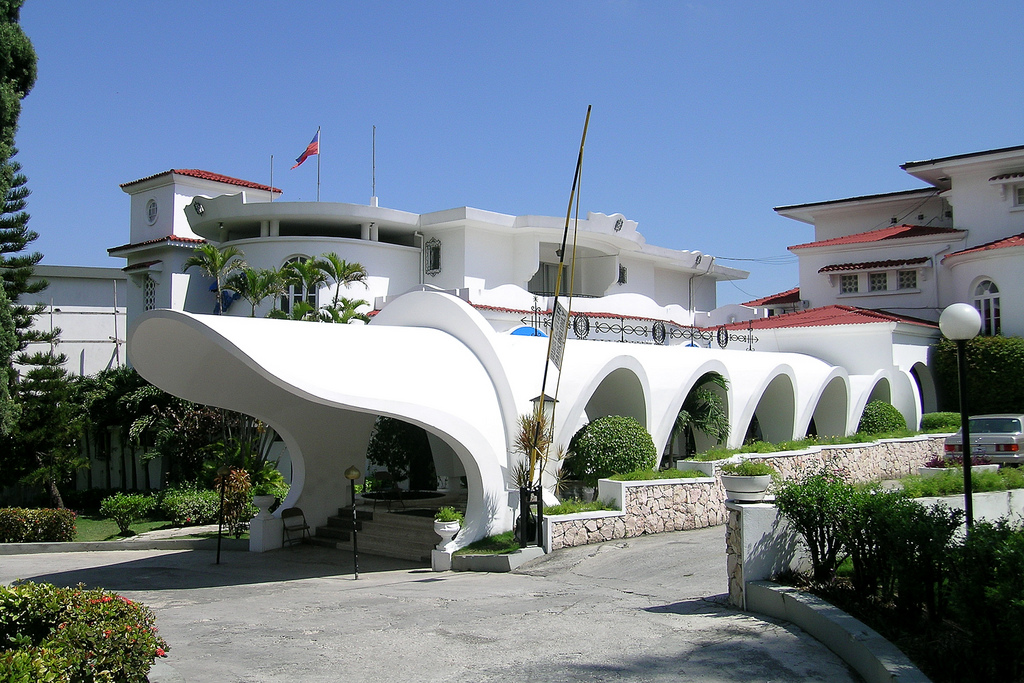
point(297, 292)
point(986, 300)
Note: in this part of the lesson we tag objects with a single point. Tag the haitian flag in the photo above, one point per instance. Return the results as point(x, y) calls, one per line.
point(312, 148)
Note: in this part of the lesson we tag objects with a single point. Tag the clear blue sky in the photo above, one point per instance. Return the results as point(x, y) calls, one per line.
point(706, 114)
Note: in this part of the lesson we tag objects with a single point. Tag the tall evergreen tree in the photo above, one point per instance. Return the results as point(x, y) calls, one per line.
point(8, 344)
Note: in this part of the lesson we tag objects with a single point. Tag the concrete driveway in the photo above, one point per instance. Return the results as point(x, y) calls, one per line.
point(644, 609)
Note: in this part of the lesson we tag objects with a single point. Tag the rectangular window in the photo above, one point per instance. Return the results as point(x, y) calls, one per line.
point(1018, 195)
point(878, 282)
point(908, 279)
point(848, 284)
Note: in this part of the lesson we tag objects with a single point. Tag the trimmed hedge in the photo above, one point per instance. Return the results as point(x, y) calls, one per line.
point(880, 417)
point(994, 368)
point(610, 445)
point(190, 506)
point(76, 635)
point(22, 525)
point(940, 422)
point(125, 509)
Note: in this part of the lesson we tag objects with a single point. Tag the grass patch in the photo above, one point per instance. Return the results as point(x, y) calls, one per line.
point(570, 507)
point(951, 483)
point(650, 475)
point(799, 444)
point(93, 527)
point(501, 544)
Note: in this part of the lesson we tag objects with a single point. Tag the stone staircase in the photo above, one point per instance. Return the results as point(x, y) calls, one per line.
point(403, 535)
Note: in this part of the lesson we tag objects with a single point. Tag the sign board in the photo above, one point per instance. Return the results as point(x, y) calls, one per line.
point(559, 328)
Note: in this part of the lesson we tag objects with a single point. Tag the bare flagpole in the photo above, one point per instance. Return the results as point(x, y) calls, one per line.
point(271, 177)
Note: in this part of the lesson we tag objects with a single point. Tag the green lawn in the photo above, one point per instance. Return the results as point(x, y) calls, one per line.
point(93, 527)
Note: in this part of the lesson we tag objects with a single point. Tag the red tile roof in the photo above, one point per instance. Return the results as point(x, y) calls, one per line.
point(1012, 241)
point(790, 296)
point(826, 316)
point(169, 239)
point(893, 232)
point(206, 175)
point(872, 265)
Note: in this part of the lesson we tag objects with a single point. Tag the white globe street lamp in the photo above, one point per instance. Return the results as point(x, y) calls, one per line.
point(961, 323)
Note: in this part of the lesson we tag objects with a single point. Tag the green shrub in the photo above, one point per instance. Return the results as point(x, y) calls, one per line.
point(74, 634)
point(610, 445)
point(814, 505)
point(21, 525)
point(994, 368)
point(448, 514)
point(125, 508)
point(748, 468)
point(880, 417)
point(940, 422)
point(189, 506)
point(653, 475)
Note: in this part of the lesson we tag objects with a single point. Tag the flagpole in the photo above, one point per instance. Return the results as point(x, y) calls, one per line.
point(271, 177)
point(318, 164)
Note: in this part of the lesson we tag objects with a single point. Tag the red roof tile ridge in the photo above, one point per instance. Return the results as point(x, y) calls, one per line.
point(158, 240)
point(824, 316)
point(207, 175)
point(890, 232)
point(786, 297)
point(1002, 243)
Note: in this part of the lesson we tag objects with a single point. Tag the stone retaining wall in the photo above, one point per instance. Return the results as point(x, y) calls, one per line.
point(650, 507)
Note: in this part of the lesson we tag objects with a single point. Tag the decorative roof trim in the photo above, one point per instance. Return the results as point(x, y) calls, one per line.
point(1004, 243)
point(145, 265)
point(169, 240)
point(872, 265)
point(893, 232)
point(206, 175)
point(958, 157)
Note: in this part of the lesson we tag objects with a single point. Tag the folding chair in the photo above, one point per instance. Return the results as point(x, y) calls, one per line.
point(295, 528)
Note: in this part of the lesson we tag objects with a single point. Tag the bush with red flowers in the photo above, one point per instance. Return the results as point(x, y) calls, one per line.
point(77, 635)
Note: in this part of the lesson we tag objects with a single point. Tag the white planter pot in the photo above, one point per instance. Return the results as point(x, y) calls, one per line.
point(746, 489)
point(263, 502)
point(447, 531)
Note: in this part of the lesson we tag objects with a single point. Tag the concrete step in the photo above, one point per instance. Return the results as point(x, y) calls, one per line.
point(402, 536)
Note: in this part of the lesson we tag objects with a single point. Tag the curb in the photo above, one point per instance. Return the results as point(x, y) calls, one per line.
point(154, 544)
point(495, 563)
point(863, 648)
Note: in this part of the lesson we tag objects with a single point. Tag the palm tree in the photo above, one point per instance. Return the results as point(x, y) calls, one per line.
point(304, 274)
point(217, 263)
point(341, 272)
point(703, 411)
point(256, 284)
point(346, 311)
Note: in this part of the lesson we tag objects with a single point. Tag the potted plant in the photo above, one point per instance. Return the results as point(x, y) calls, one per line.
point(747, 481)
point(447, 522)
point(264, 494)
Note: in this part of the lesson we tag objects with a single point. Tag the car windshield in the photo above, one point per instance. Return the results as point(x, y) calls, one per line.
point(995, 425)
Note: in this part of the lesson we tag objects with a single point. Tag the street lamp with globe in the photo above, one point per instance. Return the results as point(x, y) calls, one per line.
point(961, 323)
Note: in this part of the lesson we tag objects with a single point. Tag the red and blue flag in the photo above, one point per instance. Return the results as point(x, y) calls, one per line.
point(311, 149)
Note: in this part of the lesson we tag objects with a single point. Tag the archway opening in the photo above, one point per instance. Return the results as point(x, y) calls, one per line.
point(774, 416)
point(702, 421)
point(829, 418)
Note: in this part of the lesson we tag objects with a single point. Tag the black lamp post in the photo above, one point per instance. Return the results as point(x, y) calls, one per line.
point(961, 323)
point(353, 473)
point(223, 472)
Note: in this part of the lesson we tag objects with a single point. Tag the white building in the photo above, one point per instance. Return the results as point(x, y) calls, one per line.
point(915, 252)
point(453, 290)
point(88, 305)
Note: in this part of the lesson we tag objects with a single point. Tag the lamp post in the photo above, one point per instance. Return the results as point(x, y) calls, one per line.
point(543, 414)
point(222, 472)
point(353, 473)
point(961, 323)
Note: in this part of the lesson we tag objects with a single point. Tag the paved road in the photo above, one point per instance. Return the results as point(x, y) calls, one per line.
point(645, 609)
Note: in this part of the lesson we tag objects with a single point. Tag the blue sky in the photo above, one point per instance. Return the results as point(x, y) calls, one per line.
point(705, 114)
